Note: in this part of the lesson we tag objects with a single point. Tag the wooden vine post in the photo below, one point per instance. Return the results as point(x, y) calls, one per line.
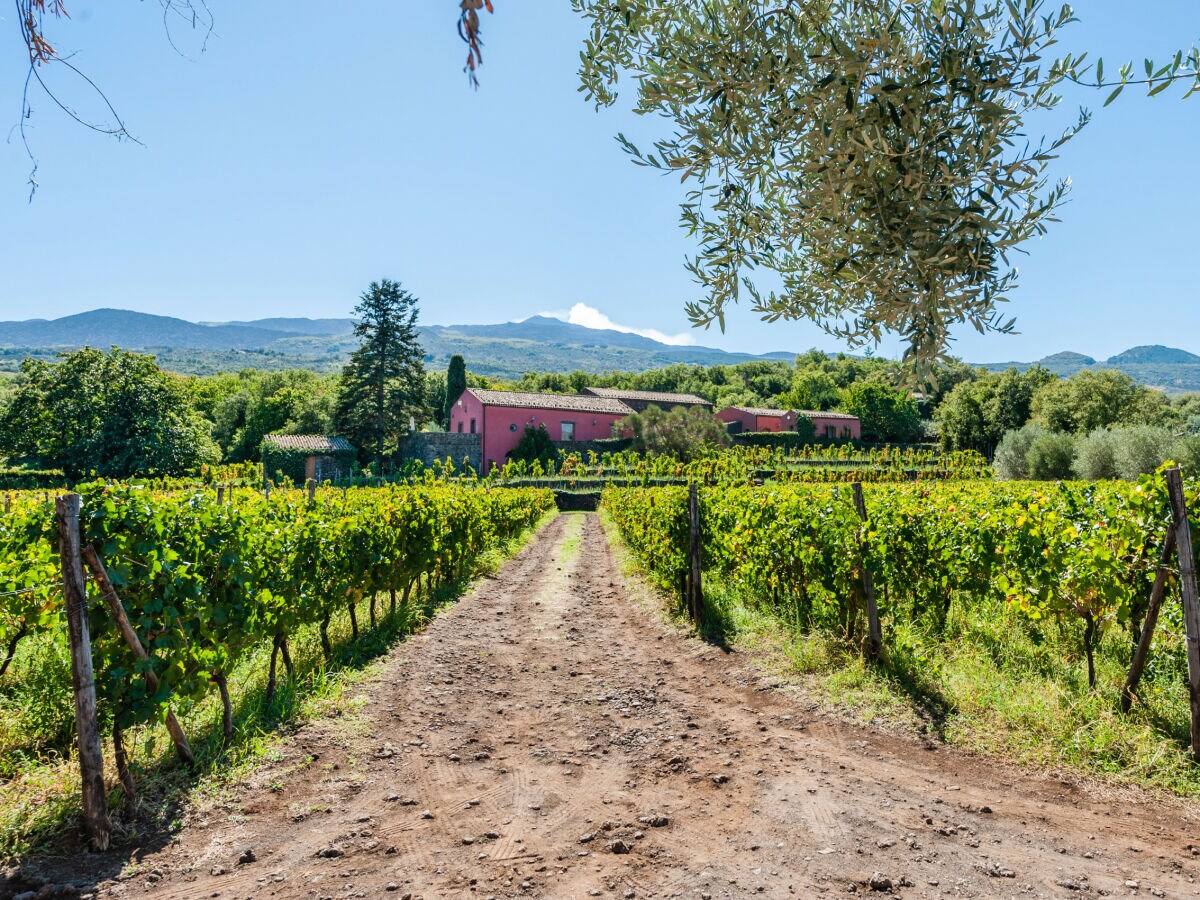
point(1191, 596)
point(874, 631)
point(83, 679)
point(312, 490)
point(109, 593)
point(696, 592)
point(1138, 665)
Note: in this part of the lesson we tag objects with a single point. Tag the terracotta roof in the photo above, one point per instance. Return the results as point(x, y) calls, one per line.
point(568, 402)
point(827, 414)
point(648, 396)
point(311, 443)
point(759, 411)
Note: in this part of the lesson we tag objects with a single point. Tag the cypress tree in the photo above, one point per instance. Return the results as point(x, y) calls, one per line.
point(456, 383)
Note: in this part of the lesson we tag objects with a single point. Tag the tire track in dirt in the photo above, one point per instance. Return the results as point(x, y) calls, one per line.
point(548, 720)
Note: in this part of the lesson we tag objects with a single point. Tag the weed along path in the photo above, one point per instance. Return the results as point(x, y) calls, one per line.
point(548, 736)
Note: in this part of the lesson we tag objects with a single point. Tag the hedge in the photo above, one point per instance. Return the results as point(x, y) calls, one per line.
point(31, 479)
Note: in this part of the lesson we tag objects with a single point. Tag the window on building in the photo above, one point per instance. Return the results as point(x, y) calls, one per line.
point(568, 431)
point(830, 431)
point(460, 427)
point(472, 426)
point(845, 431)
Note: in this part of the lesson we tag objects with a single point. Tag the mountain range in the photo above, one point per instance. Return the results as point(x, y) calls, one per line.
point(1168, 368)
point(506, 350)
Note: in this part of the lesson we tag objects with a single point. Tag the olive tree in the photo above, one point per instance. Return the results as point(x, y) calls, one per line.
point(859, 163)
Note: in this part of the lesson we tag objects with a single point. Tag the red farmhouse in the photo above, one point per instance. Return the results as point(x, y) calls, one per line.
point(500, 418)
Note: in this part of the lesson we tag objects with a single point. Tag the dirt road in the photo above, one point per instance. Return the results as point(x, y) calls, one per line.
point(548, 737)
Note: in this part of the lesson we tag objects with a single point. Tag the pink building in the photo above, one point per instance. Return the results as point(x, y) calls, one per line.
point(834, 425)
point(753, 418)
point(500, 418)
point(828, 425)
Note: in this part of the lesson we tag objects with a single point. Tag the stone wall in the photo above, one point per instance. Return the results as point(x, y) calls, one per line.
point(428, 446)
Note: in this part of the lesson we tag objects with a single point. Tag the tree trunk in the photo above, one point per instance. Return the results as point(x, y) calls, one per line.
point(353, 620)
point(372, 611)
point(326, 649)
point(287, 658)
point(391, 595)
point(226, 709)
point(128, 788)
point(271, 670)
point(1089, 634)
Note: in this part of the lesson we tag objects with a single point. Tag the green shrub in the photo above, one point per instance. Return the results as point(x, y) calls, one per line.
point(783, 440)
point(31, 479)
point(1013, 450)
point(534, 445)
point(1050, 456)
point(1141, 449)
point(1186, 452)
point(1096, 456)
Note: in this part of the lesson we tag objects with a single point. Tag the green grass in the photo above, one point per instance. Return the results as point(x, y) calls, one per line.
point(571, 545)
point(990, 684)
point(39, 786)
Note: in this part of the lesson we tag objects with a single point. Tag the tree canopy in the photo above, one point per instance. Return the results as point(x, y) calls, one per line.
point(680, 432)
point(859, 163)
point(114, 414)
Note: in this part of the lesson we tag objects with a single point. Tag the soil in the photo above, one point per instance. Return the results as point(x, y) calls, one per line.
point(550, 736)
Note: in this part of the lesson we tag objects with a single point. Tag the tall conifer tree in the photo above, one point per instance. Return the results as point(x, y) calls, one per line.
point(384, 382)
point(456, 383)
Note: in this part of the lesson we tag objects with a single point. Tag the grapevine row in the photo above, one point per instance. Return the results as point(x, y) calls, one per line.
point(203, 582)
point(1050, 550)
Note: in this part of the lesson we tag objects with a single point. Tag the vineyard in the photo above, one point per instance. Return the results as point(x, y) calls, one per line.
point(1049, 577)
point(747, 465)
point(208, 583)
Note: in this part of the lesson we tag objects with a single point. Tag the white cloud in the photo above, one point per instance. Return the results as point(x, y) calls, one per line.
point(590, 317)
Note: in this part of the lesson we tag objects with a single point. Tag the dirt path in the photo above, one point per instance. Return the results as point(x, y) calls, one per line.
point(547, 737)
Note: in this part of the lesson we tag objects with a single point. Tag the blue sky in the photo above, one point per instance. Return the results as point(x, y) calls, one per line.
point(300, 156)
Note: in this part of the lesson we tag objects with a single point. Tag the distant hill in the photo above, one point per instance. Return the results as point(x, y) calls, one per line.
point(322, 327)
point(1168, 368)
point(506, 350)
point(134, 330)
point(1156, 355)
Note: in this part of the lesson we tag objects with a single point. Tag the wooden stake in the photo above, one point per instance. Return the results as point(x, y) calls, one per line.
point(1191, 596)
point(220, 495)
point(312, 490)
point(83, 678)
point(874, 631)
point(1147, 634)
point(696, 598)
point(113, 602)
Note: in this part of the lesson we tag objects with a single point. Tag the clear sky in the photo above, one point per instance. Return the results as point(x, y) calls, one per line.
point(305, 153)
